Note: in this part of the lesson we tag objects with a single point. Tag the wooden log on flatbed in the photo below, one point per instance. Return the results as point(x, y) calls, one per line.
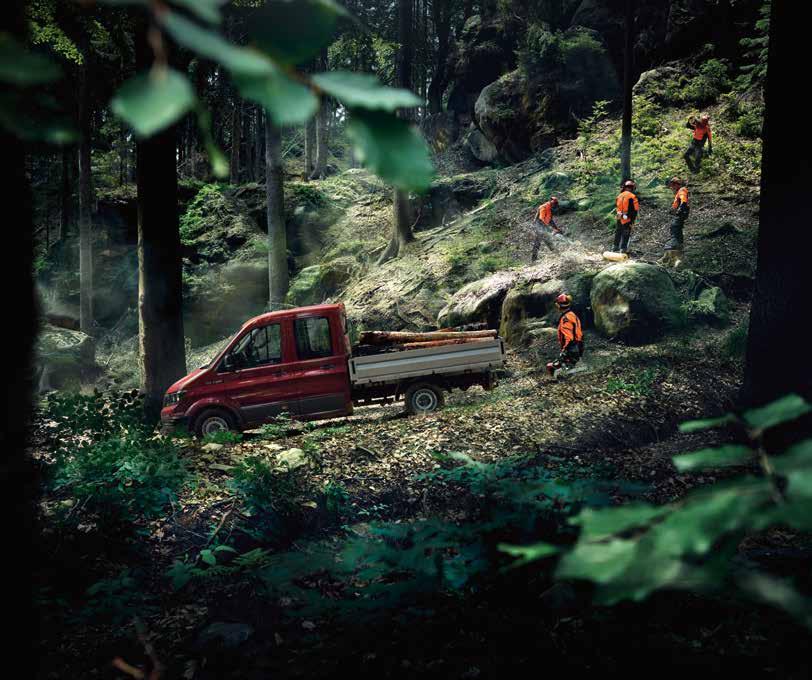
point(441, 343)
point(401, 337)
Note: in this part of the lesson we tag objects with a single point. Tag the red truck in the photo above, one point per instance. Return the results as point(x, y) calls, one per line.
point(299, 361)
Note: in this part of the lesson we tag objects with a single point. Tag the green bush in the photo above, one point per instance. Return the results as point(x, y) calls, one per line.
point(223, 437)
point(709, 84)
point(118, 480)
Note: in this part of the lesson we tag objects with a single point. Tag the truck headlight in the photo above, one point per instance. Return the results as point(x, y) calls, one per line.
point(173, 398)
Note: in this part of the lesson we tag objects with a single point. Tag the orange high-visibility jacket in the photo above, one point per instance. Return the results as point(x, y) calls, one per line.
point(627, 204)
point(569, 329)
point(701, 131)
point(546, 212)
point(680, 198)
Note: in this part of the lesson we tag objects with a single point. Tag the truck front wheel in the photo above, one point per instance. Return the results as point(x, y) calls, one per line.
point(423, 398)
point(211, 421)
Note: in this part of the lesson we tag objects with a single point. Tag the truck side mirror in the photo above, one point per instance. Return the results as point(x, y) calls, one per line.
point(228, 363)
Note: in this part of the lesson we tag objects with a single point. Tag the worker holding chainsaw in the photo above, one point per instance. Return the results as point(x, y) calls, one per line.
point(628, 207)
point(570, 337)
point(701, 134)
point(545, 227)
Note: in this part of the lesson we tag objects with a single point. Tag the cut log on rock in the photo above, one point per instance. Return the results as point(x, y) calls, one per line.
point(615, 257)
point(400, 337)
point(441, 343)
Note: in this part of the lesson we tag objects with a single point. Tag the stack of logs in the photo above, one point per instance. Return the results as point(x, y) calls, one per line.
point(398, 340)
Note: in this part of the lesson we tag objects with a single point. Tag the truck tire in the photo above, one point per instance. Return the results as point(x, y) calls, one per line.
point(211, 421)
point(423, 398)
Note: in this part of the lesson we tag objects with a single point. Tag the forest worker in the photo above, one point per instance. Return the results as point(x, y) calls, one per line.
point(627, 209)
point(545, 226)
point(570, 337)
point(702, 133)
point(679, 210)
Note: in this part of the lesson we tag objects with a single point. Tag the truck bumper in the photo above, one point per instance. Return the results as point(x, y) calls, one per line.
point(171, 424)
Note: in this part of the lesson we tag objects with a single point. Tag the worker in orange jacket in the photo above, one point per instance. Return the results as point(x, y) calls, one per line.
point(628, 207)
point(679, 210)
point(570, 337)
point(702, 134)
point(545, 227)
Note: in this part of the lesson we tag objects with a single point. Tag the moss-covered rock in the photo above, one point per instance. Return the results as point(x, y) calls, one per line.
point(711, 307)
point(528, 304)
point(635, 302)
point(65, 358)
point(502, 117)
point(317, 283)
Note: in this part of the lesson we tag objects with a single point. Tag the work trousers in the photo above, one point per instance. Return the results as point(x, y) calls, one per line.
point(677, 225)
point(693, 154)
point(570, 356)
point(545, 234)
point(623, 234)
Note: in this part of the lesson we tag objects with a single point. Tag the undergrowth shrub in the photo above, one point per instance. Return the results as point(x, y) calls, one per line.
point(117, 481)
point(223, 437)
point(65, 417)
point(711, 81)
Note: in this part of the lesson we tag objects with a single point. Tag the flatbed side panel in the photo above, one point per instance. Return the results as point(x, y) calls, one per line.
point(469, 357)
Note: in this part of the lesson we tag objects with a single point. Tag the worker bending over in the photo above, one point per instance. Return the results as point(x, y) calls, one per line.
point(702, 133)
point(679, 210)
point(545, 227)
point(627, 209)
point(570, 337)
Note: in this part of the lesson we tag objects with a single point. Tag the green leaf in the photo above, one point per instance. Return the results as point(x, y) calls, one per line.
point(363, 90)
point(208, 557)
point(707, 424)
point(292, 31)
point(20, 67)
point(153, 101)
point(528, 553)
point(602, 523)
point(781, 411)
point(597, 562)
point(392, 148)
point(722, 456)
point(798, 456)
point(224, 548)
point(208, 10)
point(780, 594)
point(209, 44)
point(286, 101)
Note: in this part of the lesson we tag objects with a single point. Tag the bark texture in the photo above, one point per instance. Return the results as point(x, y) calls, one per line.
point(85, 208)
point(277, 239)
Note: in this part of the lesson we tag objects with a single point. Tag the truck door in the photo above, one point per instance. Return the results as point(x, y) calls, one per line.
point(257, 376)
point(321, 367)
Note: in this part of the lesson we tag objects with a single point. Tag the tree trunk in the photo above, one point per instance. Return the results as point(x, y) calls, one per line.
point(259, 137)
point(309, 148)
point(277, 238)
point(776, 361)
point(160, 305)
point(441, 15)
point(402, 222)
point(320, 124)
point(236, 140)
point(628, 84)
point(66, 195)
point(85, 209)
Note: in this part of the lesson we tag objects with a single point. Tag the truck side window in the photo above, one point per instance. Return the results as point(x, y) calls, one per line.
point(313, 337)
point(261, 347)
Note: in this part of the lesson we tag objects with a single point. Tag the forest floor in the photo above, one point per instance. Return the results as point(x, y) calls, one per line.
point(617, 420)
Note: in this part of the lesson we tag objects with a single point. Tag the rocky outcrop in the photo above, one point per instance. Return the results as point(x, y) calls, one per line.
point(479, 301)
point(710, 307)
point(635, 302)
point(319, 282)
point(524, 306)
point(502, 117)
point(480, 147)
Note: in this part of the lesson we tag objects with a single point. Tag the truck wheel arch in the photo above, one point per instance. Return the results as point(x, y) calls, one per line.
point(198, 409)
point(423, 397)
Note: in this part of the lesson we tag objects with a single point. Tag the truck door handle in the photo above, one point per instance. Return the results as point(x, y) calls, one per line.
point(326, 366)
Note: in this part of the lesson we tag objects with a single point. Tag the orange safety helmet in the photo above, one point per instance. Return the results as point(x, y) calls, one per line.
point(629, 184)
point(675, 180)
point(563, 301)
point(554, 200)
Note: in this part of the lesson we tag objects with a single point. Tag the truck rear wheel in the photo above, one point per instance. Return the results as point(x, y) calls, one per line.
point(211, 421)
point(423, 398)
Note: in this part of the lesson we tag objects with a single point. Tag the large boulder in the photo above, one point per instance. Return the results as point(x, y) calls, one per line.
point(502, 116)
point(481, 147)
point(479, 301)
point(635, 302)
point(65, 358)
point(319, 282)
point(524, 306)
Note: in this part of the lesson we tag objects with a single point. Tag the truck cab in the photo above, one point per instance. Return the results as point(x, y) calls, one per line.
point(292, 361)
